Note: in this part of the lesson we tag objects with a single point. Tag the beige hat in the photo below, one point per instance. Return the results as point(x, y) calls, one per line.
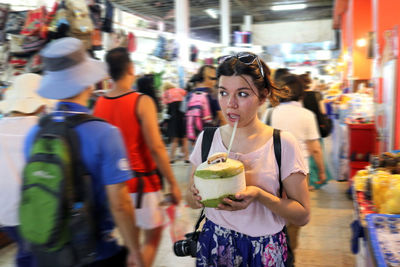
point(167, 85)
point(22, 96)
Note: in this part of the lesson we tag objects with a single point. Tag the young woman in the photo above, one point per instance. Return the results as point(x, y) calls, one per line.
point(176, 129)
point(313, 101)
point(249, 232)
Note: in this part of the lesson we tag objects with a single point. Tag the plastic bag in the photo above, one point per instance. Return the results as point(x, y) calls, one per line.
point(380, 185)
point(391, 198)
point(180, 221)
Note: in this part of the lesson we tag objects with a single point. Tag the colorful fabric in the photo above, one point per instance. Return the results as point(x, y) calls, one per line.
point(219, 246)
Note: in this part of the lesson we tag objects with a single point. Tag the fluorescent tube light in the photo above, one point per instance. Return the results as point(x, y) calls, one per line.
point(212, 13)
point(288, 7)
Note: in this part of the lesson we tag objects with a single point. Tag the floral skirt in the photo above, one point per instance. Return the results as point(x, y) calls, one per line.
point(218, 246)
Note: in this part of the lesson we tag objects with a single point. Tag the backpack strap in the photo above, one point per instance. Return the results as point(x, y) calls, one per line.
point(80, 169)
point(269, 115)
point(45, 119)
point(208, 136)
point(278, 152)
point(75, 120)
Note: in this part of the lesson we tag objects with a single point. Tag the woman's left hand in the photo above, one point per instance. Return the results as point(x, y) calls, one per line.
point(243, 199)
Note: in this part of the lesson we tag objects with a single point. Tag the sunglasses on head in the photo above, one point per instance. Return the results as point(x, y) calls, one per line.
point(244, 57)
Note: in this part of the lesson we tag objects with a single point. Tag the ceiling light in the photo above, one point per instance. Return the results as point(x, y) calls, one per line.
point(212, 13)
point(288, 7)
point(361, 42)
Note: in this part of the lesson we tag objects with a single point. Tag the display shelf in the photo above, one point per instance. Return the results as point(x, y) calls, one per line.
point(384, 238)
point(363, 206)
point(355, 166)
point(362, 138)
point(363, 257)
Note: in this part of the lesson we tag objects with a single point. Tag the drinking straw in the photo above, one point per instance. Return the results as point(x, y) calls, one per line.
point(232, 137)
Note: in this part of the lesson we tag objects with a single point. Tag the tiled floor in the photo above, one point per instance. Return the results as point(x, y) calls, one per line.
point(324, 242)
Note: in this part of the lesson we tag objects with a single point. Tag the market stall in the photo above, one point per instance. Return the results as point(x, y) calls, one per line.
point(376, 197)
point(27, 26)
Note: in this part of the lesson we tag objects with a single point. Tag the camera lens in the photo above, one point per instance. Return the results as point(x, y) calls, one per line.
point(181, 248)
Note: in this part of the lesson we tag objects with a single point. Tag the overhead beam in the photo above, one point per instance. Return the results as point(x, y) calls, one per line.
point(125, 6)
point(212, 26)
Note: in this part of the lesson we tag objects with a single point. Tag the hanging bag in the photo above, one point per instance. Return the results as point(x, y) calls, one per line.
point(35, 22)
point(59, 25)
point(4, 10)
point(325, 125)
point(324, 122)
point(78, 17)
point(15, 22)
point(81, 25)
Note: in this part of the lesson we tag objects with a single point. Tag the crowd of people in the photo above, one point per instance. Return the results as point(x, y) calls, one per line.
point(130, 168)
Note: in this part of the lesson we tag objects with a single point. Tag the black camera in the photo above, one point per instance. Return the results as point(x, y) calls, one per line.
point(187, 247)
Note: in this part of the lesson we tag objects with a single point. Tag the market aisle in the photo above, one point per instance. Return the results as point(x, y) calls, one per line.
point(325, 241)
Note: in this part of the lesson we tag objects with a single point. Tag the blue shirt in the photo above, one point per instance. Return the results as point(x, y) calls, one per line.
point(103, 154)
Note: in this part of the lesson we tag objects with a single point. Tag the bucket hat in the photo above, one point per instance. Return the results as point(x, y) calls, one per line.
point(68, 69)
point(22, 96)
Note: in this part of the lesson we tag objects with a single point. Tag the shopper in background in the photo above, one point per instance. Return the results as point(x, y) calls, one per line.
point(279, 73)
point(69, 78)
point(201, 106)
point(21, 106)
point(176, 129)
point(205, 81)
point(249, 232)
point(313, 101)
point(290, 116)
point(136, 115)
point(145, 85)
point(302, 123)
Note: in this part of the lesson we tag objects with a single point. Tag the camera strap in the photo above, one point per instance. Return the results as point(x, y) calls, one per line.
point(208, 136)
point(202, 216)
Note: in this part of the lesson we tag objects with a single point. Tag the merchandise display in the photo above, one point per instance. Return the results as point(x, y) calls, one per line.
point(376, 198)
point(354, 130)
point(384, 233)
point(360, 108)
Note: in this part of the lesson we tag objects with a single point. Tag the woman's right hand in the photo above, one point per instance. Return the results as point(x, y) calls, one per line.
point(196, 204)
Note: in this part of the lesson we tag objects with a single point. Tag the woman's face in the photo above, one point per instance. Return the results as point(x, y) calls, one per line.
point(238, 99)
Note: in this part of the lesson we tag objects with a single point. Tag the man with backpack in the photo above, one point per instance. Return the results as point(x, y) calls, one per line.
point(76, 170)
point(202, 107)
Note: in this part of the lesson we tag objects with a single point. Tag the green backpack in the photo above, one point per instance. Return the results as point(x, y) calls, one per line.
point(56, 209)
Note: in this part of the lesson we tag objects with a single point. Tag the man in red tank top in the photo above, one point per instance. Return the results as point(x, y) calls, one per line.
point(136, 116)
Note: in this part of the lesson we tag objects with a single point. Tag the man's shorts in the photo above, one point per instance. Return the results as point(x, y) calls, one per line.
point(151, 215)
